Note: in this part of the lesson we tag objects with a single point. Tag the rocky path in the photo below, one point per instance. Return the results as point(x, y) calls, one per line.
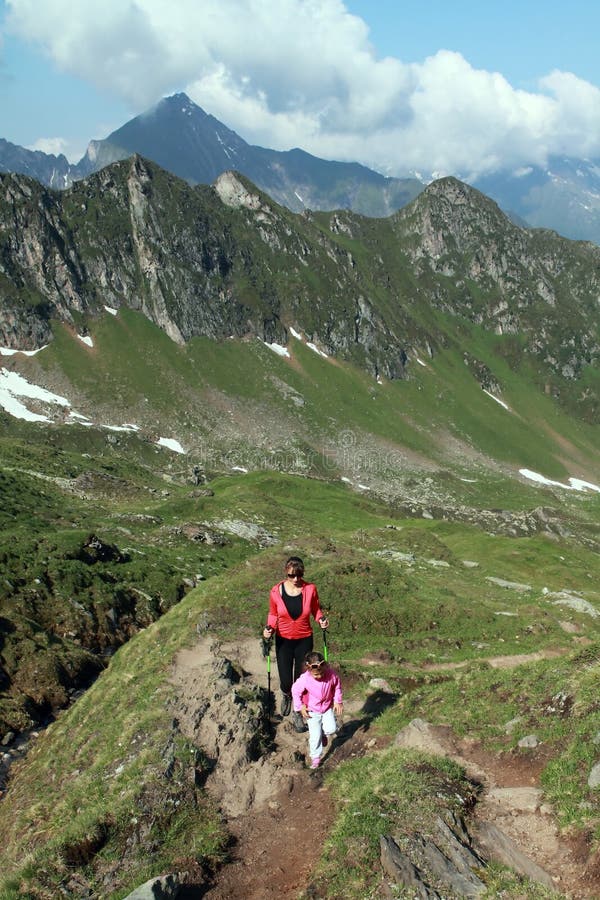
point(511, 819)
point(279, 812)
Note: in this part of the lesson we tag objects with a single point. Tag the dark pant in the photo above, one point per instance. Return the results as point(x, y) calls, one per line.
point(290, 655)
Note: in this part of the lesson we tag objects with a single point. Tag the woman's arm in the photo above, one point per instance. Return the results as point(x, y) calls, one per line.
point(273, 616)
point(315, 608)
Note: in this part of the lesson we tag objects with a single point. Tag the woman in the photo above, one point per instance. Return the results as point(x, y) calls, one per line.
point(291, 604)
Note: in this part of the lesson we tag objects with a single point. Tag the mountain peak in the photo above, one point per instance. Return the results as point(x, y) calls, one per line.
point(179, 104)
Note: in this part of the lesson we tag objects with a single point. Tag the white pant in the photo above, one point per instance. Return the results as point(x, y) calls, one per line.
point(319, 723)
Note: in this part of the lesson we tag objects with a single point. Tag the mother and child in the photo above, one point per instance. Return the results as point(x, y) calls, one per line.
point(305, 678)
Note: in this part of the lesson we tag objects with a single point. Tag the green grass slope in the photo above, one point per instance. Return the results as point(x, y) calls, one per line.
point(238, 402)
point(398, 591)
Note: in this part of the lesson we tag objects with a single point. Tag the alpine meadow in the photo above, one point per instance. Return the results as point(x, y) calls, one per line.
point(197, 383)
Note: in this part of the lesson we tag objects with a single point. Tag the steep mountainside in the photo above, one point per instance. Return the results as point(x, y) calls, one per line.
point(228, 261)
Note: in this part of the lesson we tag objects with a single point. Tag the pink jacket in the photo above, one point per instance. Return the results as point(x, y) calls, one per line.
point(280, 619)
point(318, 695)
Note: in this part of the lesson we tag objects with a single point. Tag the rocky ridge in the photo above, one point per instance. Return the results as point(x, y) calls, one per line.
point(229, 262)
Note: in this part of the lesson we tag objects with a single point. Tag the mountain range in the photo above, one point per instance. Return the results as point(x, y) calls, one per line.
point(222, 261)
point(185, 140)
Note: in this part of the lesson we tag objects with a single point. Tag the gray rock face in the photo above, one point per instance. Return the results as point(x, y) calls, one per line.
point(594, 777)
point(166, 887)
point(402, 871)
point(510, 585)
point(502, 849)
point(448, 859)
point(529, 741)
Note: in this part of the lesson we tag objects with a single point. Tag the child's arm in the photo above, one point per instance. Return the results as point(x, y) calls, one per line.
point(297, 689)
point(338, 705)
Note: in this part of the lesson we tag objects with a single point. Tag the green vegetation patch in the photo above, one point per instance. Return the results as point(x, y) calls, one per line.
point(395, 793)
point(110, 788)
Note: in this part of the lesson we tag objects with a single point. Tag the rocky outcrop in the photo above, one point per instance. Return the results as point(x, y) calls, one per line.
point(228, 261)
point(509, 279)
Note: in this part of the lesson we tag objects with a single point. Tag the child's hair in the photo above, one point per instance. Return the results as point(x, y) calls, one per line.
point(313, 658)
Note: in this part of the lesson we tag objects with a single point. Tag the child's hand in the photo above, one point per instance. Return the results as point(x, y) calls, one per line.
point(338, 708)
point(304, 713)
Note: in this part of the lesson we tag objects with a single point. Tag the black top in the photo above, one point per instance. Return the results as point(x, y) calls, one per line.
point(292, 604)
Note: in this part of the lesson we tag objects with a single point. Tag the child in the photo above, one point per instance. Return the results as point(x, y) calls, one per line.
point(317, 696)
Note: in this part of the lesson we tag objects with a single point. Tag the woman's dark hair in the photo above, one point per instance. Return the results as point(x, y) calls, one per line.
point(296, 564)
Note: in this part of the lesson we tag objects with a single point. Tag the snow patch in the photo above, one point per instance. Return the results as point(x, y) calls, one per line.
point(13, 385)
point(497, 399)
point(119, 427)
point(315, 349)
point(7, 351)
point(578, 485)
point(86, 339)
point(111, 310)
point(170, 444)
point(421, 363)
point(295, 333)
point(575, 484)
point(278, 349)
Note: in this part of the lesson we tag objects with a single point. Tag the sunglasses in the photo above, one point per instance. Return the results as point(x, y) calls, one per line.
point(293, 575)
point(317, 665)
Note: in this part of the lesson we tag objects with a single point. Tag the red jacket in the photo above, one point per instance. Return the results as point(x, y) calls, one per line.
point(280, 619)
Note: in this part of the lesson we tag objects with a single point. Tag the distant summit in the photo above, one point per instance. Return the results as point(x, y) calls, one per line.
point(53, 171)
point(182, 138)
point(185, 140)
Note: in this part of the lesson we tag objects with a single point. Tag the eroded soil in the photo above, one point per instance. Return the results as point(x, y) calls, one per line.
point(279, 812)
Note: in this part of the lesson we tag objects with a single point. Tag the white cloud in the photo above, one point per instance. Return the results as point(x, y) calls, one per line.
point(55, 146)
point(303, 73)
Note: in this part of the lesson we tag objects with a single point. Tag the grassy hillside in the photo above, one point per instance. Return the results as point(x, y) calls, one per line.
point(432, 555)
point(397, 590)
point(234, 400)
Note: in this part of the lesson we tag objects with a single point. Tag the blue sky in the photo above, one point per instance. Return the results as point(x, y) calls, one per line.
point(462, 87)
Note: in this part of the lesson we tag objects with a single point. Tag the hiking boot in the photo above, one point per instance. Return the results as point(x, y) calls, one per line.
point(298, 722)
point(286, 704)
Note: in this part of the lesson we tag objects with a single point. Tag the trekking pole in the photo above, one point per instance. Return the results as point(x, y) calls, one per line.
point(266, 650)
point(325, 653)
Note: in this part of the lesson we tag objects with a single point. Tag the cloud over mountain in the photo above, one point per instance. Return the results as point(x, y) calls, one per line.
point(303, 73)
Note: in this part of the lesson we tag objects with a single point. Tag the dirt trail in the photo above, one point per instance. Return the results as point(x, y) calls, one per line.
point(279, 812)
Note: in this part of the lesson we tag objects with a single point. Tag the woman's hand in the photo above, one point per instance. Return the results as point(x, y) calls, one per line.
point(324, 623)
point(267, 632)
